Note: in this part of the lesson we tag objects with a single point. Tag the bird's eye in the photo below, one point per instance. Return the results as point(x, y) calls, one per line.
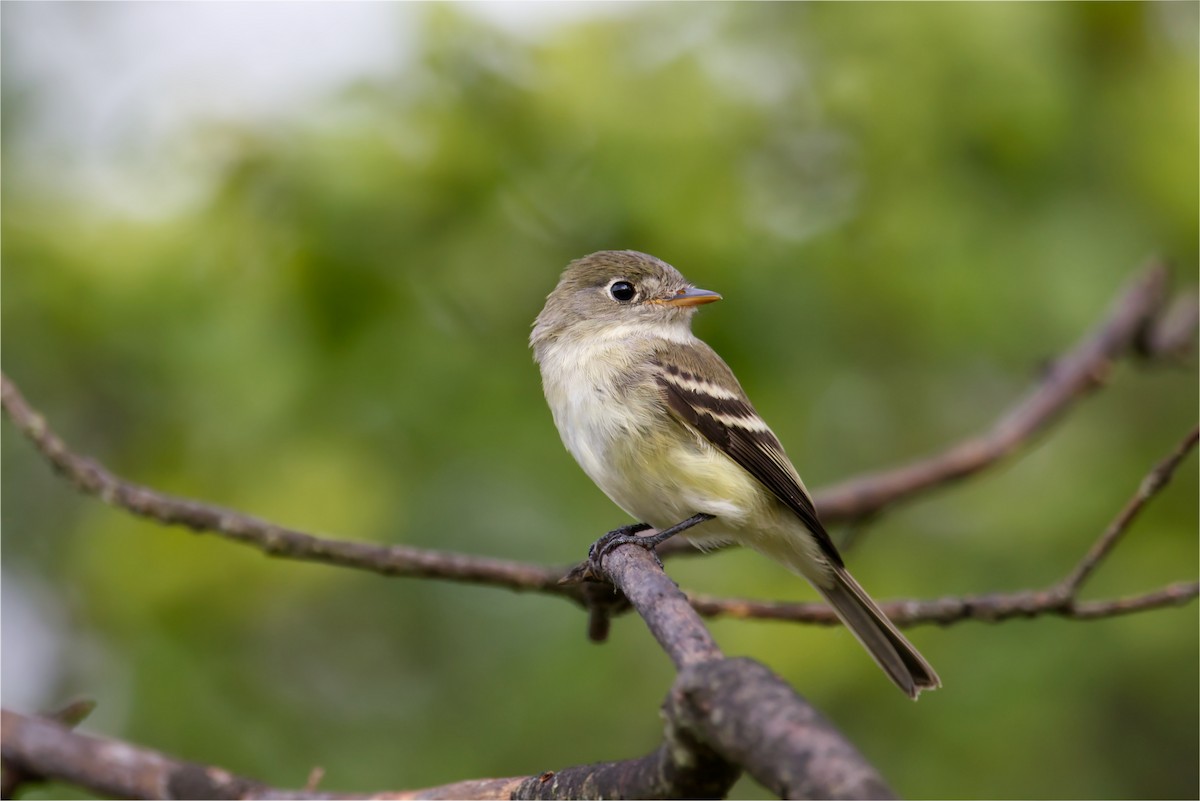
point(622, 291)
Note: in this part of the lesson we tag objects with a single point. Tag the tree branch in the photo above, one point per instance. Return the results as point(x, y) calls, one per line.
point(736, 708)
point(989, 608)
point(50, 749)
point(15, 776)
point(1134, 323)
point(1061, 599)
point(92, 478)
point(716, 708)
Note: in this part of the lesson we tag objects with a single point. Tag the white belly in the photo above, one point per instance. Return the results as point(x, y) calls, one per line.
point(655, 468)
point(650, 465)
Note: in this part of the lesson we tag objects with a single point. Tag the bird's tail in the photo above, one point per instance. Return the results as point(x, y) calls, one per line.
point(888, 647)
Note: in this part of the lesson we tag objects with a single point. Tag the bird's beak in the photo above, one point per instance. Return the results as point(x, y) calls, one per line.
point(690, 297)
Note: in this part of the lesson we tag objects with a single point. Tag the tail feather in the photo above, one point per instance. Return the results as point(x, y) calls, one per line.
point(896, 655)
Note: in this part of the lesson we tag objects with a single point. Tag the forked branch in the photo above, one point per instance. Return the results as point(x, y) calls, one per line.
point(722, 716)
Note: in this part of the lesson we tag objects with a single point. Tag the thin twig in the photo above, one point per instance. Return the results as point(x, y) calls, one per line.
point(1151, 485)
point(989, 608)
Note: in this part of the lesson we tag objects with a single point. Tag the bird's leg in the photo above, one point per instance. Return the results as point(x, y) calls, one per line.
point(666, 534)
point(628, 535)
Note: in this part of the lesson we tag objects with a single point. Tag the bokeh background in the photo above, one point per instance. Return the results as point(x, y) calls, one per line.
point(285, 257)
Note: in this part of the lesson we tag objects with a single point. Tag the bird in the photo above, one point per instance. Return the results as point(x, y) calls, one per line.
point(657, 419)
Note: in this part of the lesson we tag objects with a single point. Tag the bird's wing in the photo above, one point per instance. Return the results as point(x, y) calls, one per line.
point(717, 408)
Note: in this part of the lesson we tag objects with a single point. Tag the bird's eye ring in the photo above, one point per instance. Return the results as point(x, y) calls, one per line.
point(622, 291)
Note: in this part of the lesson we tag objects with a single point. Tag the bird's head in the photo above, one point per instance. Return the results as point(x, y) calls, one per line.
point(619, 293)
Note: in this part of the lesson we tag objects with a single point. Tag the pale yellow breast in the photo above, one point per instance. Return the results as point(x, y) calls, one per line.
point(649, 463)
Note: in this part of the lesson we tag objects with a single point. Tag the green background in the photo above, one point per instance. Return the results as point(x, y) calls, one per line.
point(908, 209)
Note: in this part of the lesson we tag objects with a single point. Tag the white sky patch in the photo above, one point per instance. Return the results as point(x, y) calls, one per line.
point(107, 72)
point(107, 89)
point(35, 639)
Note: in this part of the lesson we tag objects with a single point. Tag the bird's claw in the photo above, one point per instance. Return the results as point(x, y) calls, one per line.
point(614, 539)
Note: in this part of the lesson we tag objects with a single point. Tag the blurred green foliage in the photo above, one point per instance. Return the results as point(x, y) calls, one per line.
point(908, 209)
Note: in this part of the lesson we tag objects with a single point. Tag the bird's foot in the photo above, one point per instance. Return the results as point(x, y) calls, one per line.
point(592, 568)
point(614, 539)
point(627, 535)
point(589, 569)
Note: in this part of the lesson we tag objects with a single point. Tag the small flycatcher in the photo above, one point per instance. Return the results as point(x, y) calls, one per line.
point(659, 422)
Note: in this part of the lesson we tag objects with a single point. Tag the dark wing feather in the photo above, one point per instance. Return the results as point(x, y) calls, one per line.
point(716, 415)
